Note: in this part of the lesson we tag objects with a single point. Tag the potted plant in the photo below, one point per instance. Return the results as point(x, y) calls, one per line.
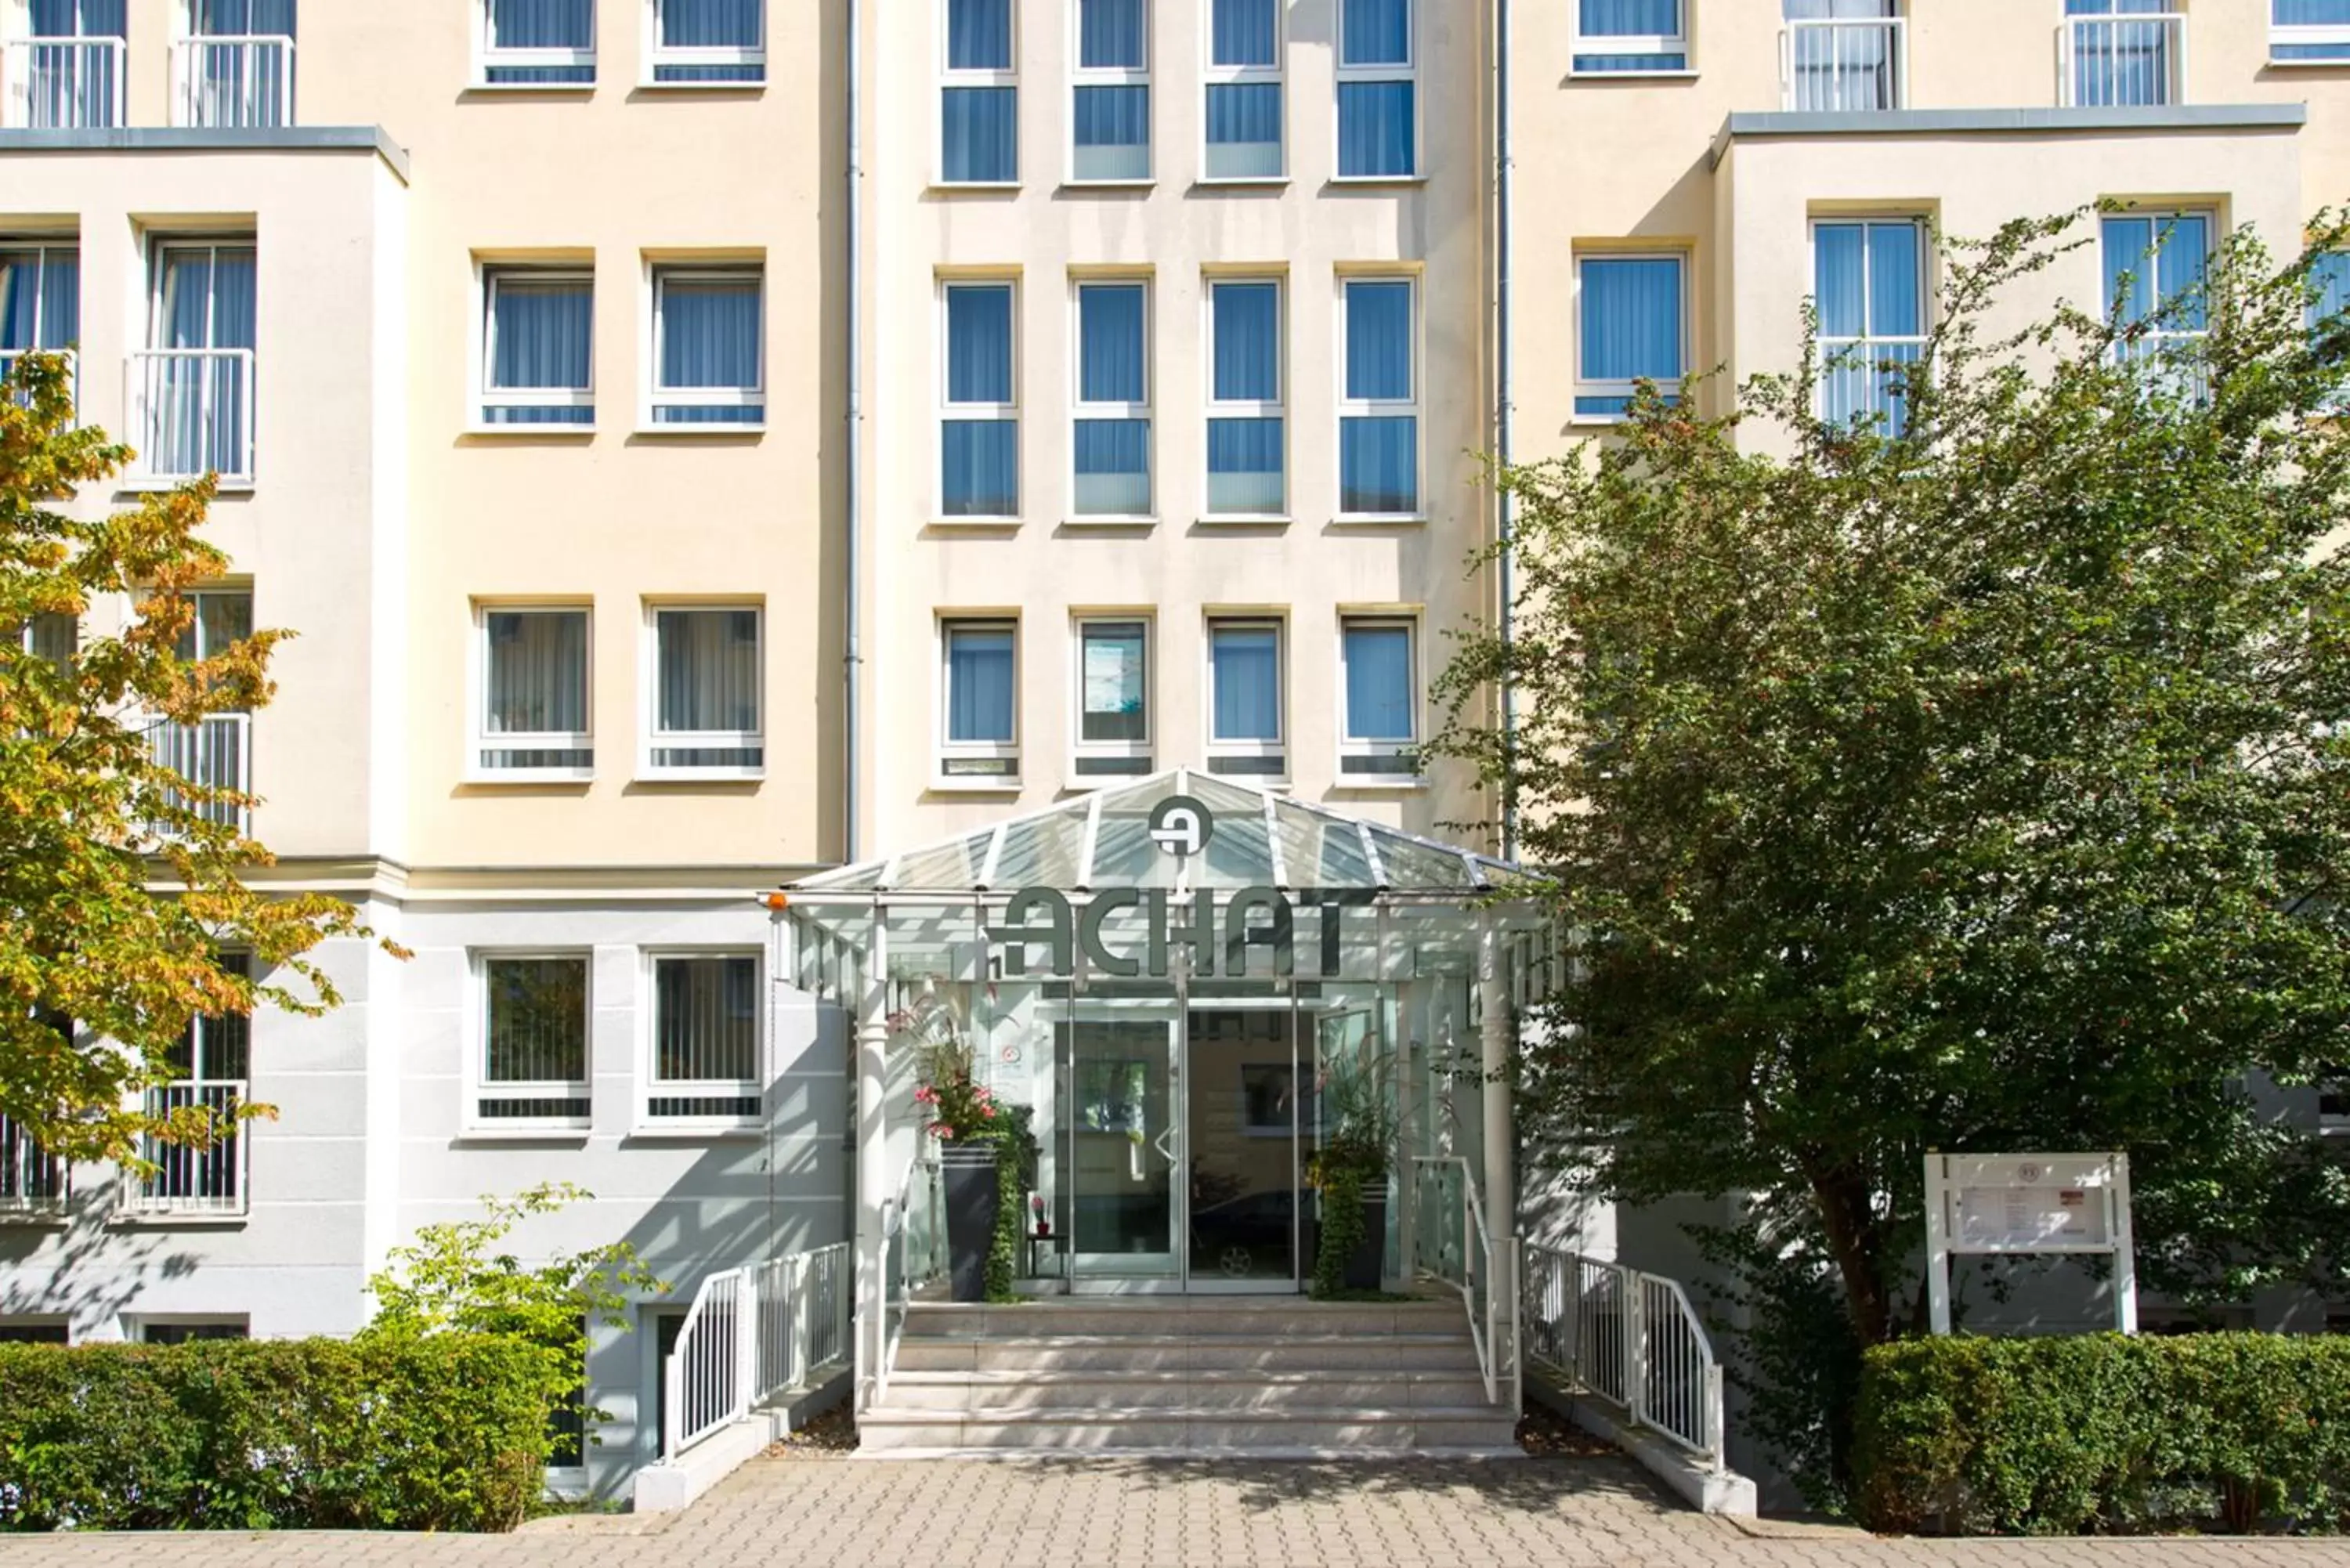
point(1349, 1169)
point(985, 1153)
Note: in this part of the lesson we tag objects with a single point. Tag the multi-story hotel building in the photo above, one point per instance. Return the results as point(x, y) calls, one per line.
point(882, 448)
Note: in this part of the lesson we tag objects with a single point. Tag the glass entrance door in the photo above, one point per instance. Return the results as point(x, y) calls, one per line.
point(1242, 1120)
point(1125, 1147)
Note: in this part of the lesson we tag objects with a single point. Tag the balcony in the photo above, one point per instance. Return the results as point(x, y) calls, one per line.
point(191, 413)
point(34, 1183)
point(2121, 62)
point(206, 1179)
point(1845, 67)
point(243, 80)
point(61, 84)
point(216, 754)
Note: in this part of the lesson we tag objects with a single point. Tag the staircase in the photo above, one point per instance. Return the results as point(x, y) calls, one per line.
point(1195, 1375)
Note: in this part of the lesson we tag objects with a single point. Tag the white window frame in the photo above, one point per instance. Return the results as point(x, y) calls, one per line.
point(1277, 748)
point(477, 703)
point(1581, 43)
point(656, 54)
point(1869, 346)
point(487, 56)
point(2284, 34)
point(1380, 407)
point(972, 412)
point(950, 752)
point(1276, 409)
point(486, 397)
point(948, 76)
point(657, 739)
point(159, 255)
point(1351, 745)
point(659, 274)
point(1134, 751)
point(2161, 339)
point(1082, 76)
point(651, 1086)
point(1081, 410)
point(1215, 76)
point(479, 1086)
point(1584, 387)
point(1408, 71)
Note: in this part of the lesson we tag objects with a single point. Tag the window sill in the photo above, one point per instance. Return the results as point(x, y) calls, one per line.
point(527, 776)
point(1379, 784)
point(525, 1132)
point(650, 431)
point(973, 187)
point(648, 85)
point(944, 786)
point(1245, 520)
point(1115, 524)
point(529, 433)
point(687, 1132)
point(1379, 520)
point(1243, 181)
point(697, 775)
point(976, 524)
point(162, 1222)
point(1683, 74)
point(2272, 63)
point(1377, 179)
point(1142, 183)
point(156, 484)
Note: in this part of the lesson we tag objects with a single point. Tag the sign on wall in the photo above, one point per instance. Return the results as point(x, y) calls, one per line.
point(1989, 1205)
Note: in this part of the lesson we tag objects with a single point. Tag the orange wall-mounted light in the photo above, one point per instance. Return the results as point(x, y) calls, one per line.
point(776, 902)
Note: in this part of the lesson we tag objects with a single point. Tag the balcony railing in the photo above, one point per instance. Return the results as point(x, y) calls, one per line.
point(191, 412)
point(33, 1182)
point(2121, 62)
point(1862, 380)
point(1845, 67)
point(216, 752)
point(240, 79)
point(61, 84)
point(206, 1178)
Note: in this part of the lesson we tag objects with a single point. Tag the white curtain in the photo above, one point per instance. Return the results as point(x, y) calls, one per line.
point(1247, 672)
point(542, 339)
point(980, 692)
point(709, 673)
point(536, 680)
point(706, 1018)
point(1378, 683)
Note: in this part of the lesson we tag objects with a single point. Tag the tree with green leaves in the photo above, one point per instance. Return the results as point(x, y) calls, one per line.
point(120, 877)
point(1976, 778)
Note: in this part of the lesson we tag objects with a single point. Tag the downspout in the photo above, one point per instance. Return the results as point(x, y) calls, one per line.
point(853, 661)
point(1502, 416)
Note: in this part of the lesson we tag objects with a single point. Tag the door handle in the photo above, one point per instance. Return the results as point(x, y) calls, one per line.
point(1165, 1143)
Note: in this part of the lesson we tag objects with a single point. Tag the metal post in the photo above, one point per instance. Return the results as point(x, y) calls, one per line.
point(1501, 1180)
point(1636, 1344)
point(873, 1186)
point(746, 1342)
point(2125, 1239)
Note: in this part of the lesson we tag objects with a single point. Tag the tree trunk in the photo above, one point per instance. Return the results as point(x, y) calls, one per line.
point(1853, 1240)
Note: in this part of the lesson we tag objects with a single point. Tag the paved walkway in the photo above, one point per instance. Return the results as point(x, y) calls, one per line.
point(836, 1513)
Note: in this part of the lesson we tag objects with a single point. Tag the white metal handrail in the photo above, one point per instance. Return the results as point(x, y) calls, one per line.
point(803, 1305)
point(707, 1381)
point(33, 1181)
point(1845, 65)
point(239, 80)
point(902, 1267)
point(198, 1178)
point(191, 411)
point(2121, 62)
point(62, 84)
point(754, 1332)
point(1628, 1338)
point(1467, 1259)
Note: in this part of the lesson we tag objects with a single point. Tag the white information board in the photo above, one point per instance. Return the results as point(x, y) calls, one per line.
point(2014, 1204)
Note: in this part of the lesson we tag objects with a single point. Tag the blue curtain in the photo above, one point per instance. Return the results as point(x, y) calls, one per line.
point(981, 129)
point(1631, 318)
point(709, 332)
point(1247, 663)
point(1243, 112)
point(198, 410)
point(1896, 280)
point(40, 299)
point(2311, 13)
point(234, 16)
point(1839, 10)
point(1111, 339)
point(979, 343)
point(980, 695)
point(1113, 466)
point(709, 674)
point(712, 25)
point(543, 332)
point(1248, 342)
point(1112, 117)
point(1630, 18)
point(1839, 281)
point(2153, 280)
point(1379, 465)
point(77, 18)
point(1881, 299)
point(1375, 33)
point(2118, 7)
point(1375, 129)
point(1113, 35)
point(542, 25)
point(1378, 683)
point(980, 463)
point(1245, 33)
point(979, 35)
point(1379, 341)
point(1243, 447)
point(2329, 282)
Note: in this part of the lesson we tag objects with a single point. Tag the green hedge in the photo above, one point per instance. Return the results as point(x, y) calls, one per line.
point(446, 1432)
point(2236, 1432)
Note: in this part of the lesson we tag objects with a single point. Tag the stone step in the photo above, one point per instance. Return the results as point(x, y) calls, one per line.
point(1327, 1353)
point(1319, 1429)
point(986, 1393)
point(1165, 1317)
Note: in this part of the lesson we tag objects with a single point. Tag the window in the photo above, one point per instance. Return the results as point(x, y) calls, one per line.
point(533, 1066)
point(1633, 330)
point(40, 299)
point(1379, 128)
point(708, 43)
point(1245, 709)
point(68, 76)
point(1113, 698)
point(1110, 116)
point(2123, 53)
point(536, 717)
point(708, 363)
point(235, 67)
point(1244, 112)
point(1111, 437)
point(192, 1330)
point(193, 387)
point(1380, 724)
point(538, 43)
point(1614, 36)
point(705, 693)
point(980, 419)
point(2329, 297)
point(33, 1181)
point(2334, 1101)
point(2154, 283)
point(33, 1331)
point(1845, 56)
point(2307, 30)
point(1379, 411)
point(52, 637)
point(982, 706)
point(1247, 425)
point(212, 1069)
point(215, 753)
point(706, 1042)
point(979, 101)
point(538, 337)
point(1868, 282)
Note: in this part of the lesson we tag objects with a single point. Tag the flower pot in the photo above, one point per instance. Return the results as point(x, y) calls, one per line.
point(967, 1177)
point(1366, 1264)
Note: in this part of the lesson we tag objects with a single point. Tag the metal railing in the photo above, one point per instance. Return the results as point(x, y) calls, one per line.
point(239, 80)
point(33, 1181)
point(1628, 1338)
point(2121, 62)
point(911, 1234)
point(1453, 1247)
point(216, 751)
point(804, 1304)
point(1845, 66)
point(191, 411)
point(195, 1179)
point(62, 84)
point(751, 1333)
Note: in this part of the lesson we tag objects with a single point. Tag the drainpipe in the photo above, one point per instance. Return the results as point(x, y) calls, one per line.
point(853, 661)
point(1501, 411)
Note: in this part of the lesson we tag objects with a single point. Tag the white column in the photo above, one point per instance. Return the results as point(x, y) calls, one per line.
point(874, 1187)
point(1493, 1000)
